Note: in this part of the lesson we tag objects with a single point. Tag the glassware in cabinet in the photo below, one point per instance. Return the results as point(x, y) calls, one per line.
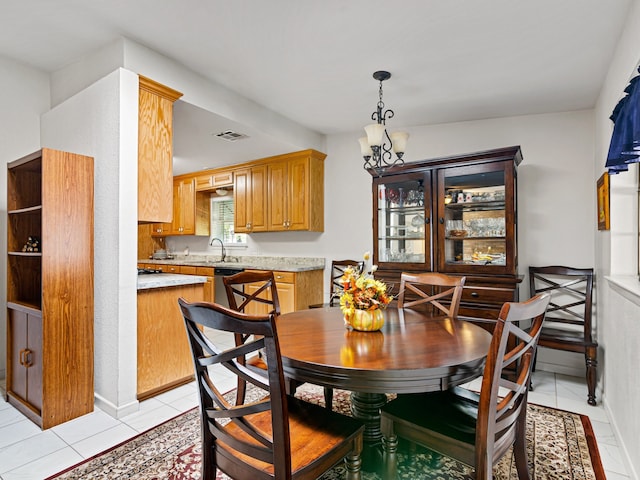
point(476, 222)
point(403, 224)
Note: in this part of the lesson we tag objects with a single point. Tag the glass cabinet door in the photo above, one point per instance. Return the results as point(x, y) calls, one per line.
point(403, 219)
point(476, 219)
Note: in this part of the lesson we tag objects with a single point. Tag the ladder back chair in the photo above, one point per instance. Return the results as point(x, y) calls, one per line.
point(271, 435)
point(255, 292)
point(568, 325)
point(441, 293)
point(335, 285)
point(475, 429)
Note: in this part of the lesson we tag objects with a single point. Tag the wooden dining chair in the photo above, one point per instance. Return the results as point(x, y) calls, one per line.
point(335, 285)
point(271, 435)
point(475, 429)
point(255, 292)
point(441, 293)
point(568, 325)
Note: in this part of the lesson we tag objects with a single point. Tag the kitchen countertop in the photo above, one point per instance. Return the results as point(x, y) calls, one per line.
point(283, 264)
point(162, 280)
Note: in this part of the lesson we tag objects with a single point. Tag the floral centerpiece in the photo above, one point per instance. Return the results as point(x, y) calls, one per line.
point(363, 298)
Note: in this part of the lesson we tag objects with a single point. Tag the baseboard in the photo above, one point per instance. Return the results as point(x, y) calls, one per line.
point(626, 456)
point(116, 411)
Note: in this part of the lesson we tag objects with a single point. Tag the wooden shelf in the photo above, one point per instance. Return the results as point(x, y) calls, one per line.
point(50, 294)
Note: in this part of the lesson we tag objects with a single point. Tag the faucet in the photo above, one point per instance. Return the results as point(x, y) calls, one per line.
point(223, 252)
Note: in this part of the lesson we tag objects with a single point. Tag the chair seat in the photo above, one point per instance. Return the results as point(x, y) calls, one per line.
point(561, 335)
point(314, 431)
point(453, 412)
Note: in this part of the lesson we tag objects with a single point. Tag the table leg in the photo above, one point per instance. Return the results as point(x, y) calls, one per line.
point(366, 408)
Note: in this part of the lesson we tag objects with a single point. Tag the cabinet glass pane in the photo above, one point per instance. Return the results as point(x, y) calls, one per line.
point(475, 219)
point(401, 222)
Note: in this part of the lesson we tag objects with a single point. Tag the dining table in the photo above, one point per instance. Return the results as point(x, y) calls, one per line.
point(414, 351)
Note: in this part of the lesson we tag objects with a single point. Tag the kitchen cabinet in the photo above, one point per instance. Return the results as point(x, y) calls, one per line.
point(209, 288)
point(296, 192)
point(191, 210)
point(454, 215)
point(155, 151)
point(281, 193)
point(50, 287)
point(296, 291)
point(211, 181)
point(250, 194)
point(163, 356)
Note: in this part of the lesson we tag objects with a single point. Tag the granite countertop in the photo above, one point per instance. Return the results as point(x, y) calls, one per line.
point(283, 264)
point(161, 280)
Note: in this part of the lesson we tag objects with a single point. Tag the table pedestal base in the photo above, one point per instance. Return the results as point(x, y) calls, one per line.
point(366, 408)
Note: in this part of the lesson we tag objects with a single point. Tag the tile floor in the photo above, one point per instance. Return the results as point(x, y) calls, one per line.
point(27, 453)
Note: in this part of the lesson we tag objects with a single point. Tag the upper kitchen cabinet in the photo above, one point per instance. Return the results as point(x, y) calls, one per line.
point(155, 151)
point(296, 192)
point(280, 193)
point(191, 210)
point(250, 196)
point(213, 180)
point(454, 215)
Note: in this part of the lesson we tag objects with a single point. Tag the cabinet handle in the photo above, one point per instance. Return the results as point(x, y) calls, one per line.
point(427, 220)
point(441, 221)
point(25, 357)
point(248, 226)
point(475, 294)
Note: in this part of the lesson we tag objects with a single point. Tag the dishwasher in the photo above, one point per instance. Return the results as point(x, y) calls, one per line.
point(219, 292)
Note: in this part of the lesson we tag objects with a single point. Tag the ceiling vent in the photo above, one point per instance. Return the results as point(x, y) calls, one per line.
point(231, 136)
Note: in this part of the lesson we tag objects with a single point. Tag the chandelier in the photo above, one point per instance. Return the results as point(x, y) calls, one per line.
point(378, 145)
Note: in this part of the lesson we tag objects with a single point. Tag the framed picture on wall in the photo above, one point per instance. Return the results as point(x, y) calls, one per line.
point(603, 202)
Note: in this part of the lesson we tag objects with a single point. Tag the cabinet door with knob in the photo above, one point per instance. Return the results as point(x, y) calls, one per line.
point(250, 199)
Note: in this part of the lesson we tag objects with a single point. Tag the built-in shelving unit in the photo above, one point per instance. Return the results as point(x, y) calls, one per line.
point(50, 286)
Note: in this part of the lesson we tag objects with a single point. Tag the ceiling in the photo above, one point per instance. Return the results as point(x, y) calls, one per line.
point(312, 61)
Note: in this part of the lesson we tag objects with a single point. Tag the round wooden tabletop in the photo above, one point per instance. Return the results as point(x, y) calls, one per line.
point(413, 352)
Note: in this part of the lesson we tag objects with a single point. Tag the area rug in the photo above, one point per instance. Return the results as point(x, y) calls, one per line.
point(561, 446)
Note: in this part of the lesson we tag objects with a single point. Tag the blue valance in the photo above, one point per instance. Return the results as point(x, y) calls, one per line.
point(625, 141)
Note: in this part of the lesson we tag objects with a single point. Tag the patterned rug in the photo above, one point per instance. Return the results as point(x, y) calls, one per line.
point(561, 446)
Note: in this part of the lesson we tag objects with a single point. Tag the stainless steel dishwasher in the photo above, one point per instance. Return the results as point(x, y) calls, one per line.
point(219, 292)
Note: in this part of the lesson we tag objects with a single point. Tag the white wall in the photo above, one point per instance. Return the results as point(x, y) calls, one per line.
point(24, 96)
point(616, 257)
point(102, 121)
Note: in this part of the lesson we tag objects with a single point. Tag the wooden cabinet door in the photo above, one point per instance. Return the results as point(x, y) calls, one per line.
point(286, 296)
point(278, 196)
point(25, 357)
point(250, 199)
point(298, 194)
point(187, 207)
point(155, 158)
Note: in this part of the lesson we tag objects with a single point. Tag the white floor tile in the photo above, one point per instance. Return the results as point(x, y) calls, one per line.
point(544, 399)
point(45, 466)
point(544, 382)
point(17, 431)
point(104, 440)
point(144, 420)
point(85, 426)
point(615, 476)
point(177, 393)
point(612, 459)
point(604, 432)
point(29, 450)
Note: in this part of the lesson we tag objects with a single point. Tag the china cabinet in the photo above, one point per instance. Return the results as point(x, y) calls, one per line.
point(50, 286)
point(454, 215)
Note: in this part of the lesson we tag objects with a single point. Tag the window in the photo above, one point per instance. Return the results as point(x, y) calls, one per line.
point(222, 221)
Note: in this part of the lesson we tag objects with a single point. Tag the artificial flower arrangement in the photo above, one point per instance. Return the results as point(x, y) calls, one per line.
point(363, 293)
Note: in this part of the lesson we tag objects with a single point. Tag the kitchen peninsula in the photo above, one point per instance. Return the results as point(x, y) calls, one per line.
point(299, 280)
point(164, 358)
